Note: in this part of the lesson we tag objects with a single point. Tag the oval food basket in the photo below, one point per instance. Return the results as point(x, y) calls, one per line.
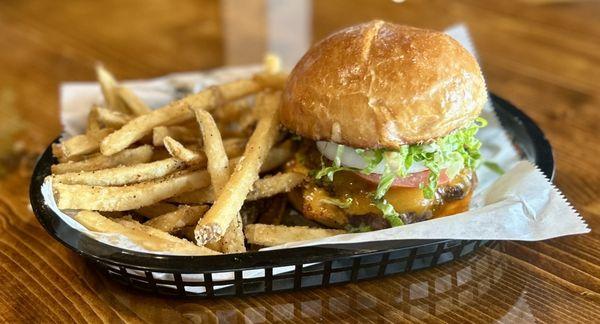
point(279, 270)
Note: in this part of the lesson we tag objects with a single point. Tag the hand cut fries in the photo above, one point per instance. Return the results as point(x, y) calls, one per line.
point(133, 102)
point(176, 112)
point(141, 154)
point(215, 222)
point(179, 133)
point(263, 188)
point(122, 175)
point(178, 151)
point(177, 219)
point(218, 163)
point(93, 122)
point(218, 168)
point(155, 210)
point(127, 197)
point(146, 237)
point(112, 118)
point(84, 144)
point(235, 137)
point(270, 235)
point(108, 85)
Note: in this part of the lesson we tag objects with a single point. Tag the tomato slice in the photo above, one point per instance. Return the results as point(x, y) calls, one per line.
point(413, 180)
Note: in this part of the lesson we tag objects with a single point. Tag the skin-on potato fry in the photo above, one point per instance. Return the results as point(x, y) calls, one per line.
point(176, 112)
point(262, 188)
point(122, 175)
point(132, 101)
point(218, 168)
point(128, 197)
point(155, 210)
point(144, 236)
point(108, 85)
point(111, 118)
point(177, 219)
point(141, 154)
point(271, 235)
point(85, 143)
point(179, 133)
point(213, 225)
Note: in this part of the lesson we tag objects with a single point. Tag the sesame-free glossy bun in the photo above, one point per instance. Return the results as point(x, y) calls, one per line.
point(382, 85)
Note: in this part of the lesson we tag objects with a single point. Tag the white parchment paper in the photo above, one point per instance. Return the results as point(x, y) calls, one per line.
point(520, 205)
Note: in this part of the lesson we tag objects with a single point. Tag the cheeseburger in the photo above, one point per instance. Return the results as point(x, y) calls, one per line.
point(386, 116)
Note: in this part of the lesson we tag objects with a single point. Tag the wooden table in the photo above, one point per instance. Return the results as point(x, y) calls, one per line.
point(544, 56)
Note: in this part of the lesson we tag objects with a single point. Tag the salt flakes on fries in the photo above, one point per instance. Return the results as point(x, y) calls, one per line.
point(185, 170)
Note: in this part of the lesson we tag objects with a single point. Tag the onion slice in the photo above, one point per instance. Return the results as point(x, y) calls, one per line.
point(350, 158)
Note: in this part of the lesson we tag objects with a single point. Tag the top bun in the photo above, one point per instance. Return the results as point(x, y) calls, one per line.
point(382, 85)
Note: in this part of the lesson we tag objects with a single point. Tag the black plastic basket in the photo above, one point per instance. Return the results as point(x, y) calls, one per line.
point(279, 270)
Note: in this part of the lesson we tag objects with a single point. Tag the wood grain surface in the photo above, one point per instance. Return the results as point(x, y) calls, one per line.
point(544, 56)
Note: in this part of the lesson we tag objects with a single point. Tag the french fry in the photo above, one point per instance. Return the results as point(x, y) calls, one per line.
point(179, 133)
point(93, 123)
point(111, 118)
point(122, 175)
point(271, 235)
point(262, 188)
point(57, 152)
point(234, 147)
point(108, 85)
point(277, 157)
point(153, 240)
point(176, 112)
point(272, 64)
point(155, 210)
point(177, 219)
point(218, 163)
point(218, 168)
point(231, 111)
point(178, 151)
point(274, 81)
point(272, 76)
point(132, 101)
point(213, 225)
point(85, 143)
point(141, 154)
point(128, 197)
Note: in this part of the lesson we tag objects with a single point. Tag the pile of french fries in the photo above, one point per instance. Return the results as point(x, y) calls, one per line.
point(174, 179)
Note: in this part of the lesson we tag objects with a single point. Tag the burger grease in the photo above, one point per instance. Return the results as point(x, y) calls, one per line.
point(388, 115)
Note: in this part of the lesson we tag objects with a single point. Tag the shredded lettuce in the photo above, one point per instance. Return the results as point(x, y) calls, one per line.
point(453, 152)
point(389, 213)
point(329, 171)
point(338, 202)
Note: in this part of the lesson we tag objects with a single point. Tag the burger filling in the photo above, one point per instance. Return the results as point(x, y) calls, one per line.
point(361, 189)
